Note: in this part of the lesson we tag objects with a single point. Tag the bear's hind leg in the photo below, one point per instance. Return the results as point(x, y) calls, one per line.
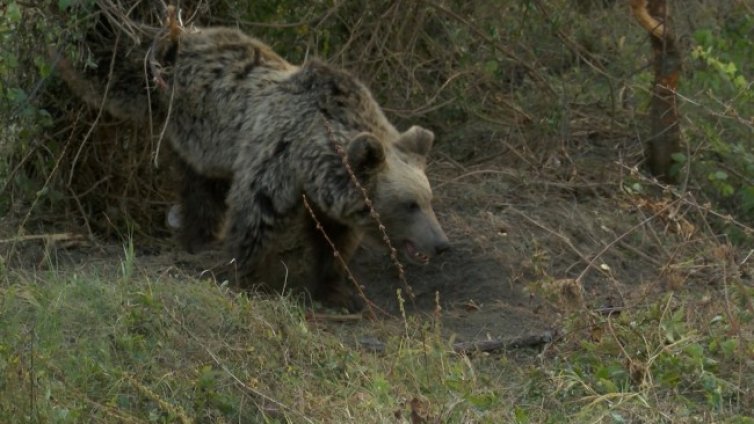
point(202, 208)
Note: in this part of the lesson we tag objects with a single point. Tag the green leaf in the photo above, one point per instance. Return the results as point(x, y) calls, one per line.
point(602, 373)
point(718, 176)
point(10, 60)
point(13, 12)
point(727, 190)
point(521, 416)
point(679, 157)
point(607, 386)
point(710, 363)
point(729, 68)
point(703, 37)
point(64, 4)
point(740, 82)
point(481, 401)
point(17, 95)
point(490, 67)
point(43, 66)
point(729, 346)
point(617, 418)
point(695, 351)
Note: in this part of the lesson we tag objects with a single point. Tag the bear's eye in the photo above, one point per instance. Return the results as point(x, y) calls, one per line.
point(412, 206)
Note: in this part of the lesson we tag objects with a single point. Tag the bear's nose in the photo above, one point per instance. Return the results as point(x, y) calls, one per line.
point(442, 247)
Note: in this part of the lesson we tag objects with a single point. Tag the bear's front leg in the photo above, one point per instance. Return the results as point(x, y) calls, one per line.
point(340, 207)
point(202, 208)
point(331, 284)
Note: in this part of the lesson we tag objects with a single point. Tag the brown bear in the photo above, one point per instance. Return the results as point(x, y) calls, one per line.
point(260, 135)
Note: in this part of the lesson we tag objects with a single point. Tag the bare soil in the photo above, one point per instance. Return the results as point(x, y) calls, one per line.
point(525, 239)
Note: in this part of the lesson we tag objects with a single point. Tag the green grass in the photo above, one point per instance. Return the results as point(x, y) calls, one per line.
point(136, 348)
point(163, 350)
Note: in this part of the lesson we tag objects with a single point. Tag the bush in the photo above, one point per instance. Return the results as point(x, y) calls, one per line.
point(552, 76)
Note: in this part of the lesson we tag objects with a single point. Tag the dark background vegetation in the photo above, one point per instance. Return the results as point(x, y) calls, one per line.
point(543, 76)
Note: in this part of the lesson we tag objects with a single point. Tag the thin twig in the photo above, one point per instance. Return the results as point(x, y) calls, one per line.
point(342, 261)
point(172, 29)
point(99, 112)
point(621, 237)
point(686, 198)
point(562, 237)
point(334, 318)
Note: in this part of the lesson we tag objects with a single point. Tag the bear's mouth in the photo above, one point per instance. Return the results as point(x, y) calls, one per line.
point(413, 254)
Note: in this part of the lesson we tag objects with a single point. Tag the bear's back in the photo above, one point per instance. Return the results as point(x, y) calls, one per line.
point(344, 101)
point(216, 76)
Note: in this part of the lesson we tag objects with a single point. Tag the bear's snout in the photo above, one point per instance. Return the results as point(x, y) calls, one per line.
point(442, 246)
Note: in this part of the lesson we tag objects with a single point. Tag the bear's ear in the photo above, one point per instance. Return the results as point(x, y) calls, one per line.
point(416, 140)
point(365, 153)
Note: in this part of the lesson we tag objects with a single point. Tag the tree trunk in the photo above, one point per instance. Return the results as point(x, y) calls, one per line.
point(665, 136)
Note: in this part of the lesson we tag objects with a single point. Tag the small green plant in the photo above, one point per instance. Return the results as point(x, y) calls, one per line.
point(650, 356)
point(129, 257)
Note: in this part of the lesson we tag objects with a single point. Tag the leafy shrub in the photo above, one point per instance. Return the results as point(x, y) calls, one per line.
point(721, 125)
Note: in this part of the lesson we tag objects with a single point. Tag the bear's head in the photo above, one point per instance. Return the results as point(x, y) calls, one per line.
point(400, 191)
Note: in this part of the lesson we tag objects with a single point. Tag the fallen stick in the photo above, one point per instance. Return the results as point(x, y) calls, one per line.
point(315, 317)
point(529, 340)
point(54, 237)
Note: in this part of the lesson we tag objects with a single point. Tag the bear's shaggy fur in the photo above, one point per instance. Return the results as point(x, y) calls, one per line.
point(261, 134)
